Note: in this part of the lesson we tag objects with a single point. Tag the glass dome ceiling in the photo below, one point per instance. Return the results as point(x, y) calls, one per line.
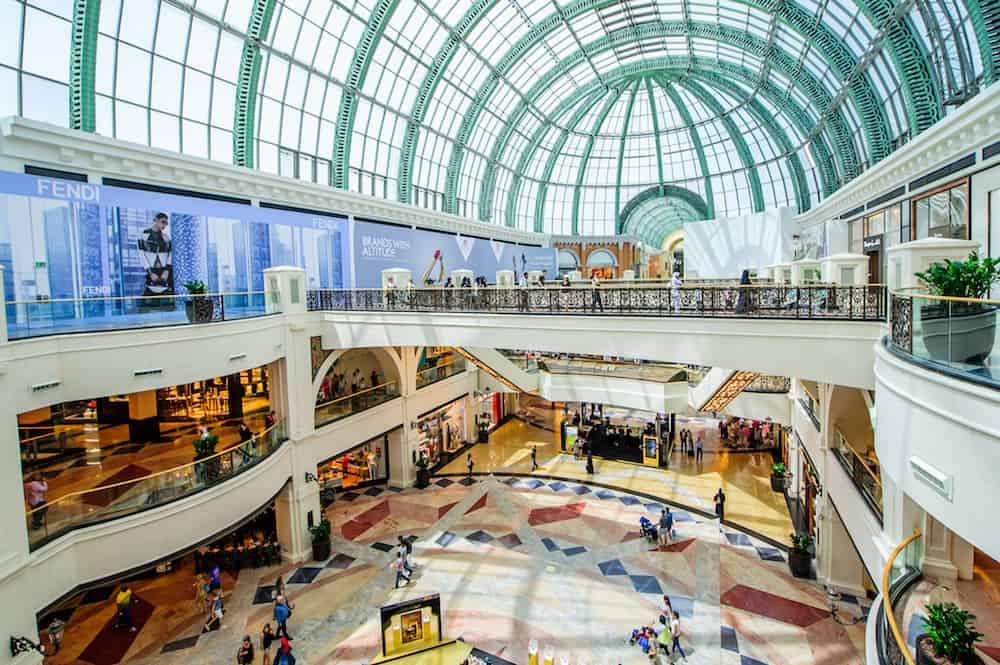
point(537, 114)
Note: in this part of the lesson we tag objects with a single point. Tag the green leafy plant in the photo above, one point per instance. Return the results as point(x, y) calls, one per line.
point(971, 278)
point(421, 462)
point(320, 532)
point(205, 446)
point(196, 287)
point(801, 542)
point(778, 469)
point(950, 634)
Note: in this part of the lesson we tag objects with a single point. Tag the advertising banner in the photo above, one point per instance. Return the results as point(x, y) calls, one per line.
point(430, 256)
point(69, 240)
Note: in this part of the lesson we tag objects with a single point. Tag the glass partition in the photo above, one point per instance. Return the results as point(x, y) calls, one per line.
point(33, 318)
point(455, 365)
point(863, 471)
point(361, 400)
point(77, 509)
point(955, 334)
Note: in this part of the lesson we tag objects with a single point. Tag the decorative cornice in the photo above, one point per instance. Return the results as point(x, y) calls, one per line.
point(42, 144)
point(972, 126)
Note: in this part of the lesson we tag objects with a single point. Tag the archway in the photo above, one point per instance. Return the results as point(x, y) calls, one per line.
point(656, 213)
point(602, 262)
point(568, 261)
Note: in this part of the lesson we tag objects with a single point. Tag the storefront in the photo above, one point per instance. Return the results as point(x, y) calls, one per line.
point(492, 409)
point(610, 432)
point(364, 464)
point(441, 432)
point(809, 489)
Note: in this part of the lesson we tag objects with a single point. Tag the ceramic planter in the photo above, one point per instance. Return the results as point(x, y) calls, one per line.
point(966, 336)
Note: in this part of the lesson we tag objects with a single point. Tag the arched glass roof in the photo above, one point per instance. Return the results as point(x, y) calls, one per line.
point(538, 114)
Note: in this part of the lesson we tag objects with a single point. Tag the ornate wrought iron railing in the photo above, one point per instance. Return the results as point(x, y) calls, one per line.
point(774, 301)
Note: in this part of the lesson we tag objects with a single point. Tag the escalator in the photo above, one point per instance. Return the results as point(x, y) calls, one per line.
point(718, 388)
point(499, 367)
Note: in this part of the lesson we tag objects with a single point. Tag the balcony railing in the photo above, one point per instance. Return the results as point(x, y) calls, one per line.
point(773, 301)
point(860, 470)
point(103, 503)
point(769, 383)
point(956, 336)
point(429, 375)
point(902, 570)
point(356, 402)
point(35, 318)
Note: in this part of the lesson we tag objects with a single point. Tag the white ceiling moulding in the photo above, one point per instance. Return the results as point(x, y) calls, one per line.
point(25, 141)
point(972, 126)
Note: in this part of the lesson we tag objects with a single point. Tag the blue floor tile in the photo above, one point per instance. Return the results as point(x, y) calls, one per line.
point(605, 495)
point(557, 486)
point(682, 605)
point(772, 554)
point(446, 539)
point(612, 567)
point(479, 537)
point(682, 516)
point(629, 500)
point(348, 496)
point(580, 490)
point(646, 584)
point(550, 544)
point(573, 551)
point(382, 547)
point(467, 481)
point(654, 507)
point(729, 642)
point(263, 595)
point(341, 561)
point(374, 491)
point(739, 539)
point(304, 575)
point(747, 660)
point(445, 482)
point(510, 541)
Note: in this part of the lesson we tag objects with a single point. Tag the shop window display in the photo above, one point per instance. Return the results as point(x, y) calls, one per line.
point(442, 431)
point(366, 462)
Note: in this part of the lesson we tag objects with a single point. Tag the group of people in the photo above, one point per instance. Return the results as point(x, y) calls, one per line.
point(692, 444)
point(282, 610)
point(336, 385)
point(741, 433)
point(661, 636)
point(661, 532)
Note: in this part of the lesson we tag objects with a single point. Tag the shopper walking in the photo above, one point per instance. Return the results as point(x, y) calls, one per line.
point(405, 548)
point(123, 604)
point(245, 655)
point(266, 638)
point(590, 463)
point(743, 297)
point(675, 634)
point(595, 294)
point(699, 447)
point(400, 568)
point(534, 458)
point(35, 491)
point(284, 655)
point(720, 506)
point(282, 612)
point(675, 292)
point(469, 463)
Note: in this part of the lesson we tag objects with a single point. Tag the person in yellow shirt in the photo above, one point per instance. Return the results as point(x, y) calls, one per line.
point(123, 601)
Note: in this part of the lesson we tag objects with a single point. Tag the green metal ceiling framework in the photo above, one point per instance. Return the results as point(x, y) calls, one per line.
point(823, 130)
point(681, 205)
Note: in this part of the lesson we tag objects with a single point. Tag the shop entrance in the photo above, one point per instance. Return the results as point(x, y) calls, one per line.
point(873, 250)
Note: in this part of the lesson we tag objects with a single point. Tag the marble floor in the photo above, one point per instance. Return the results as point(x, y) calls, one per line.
point(514, 559)
point(743, 476)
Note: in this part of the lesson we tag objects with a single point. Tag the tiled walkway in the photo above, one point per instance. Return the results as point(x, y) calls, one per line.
point(514, 560)
point(744, 476)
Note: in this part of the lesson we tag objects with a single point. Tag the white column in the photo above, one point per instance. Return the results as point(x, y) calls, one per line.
point(937, 551)
point(292, 508)
point(837, 562)
point(16, 618)
point(402, 471)
point(918, 255)
point(845, 269)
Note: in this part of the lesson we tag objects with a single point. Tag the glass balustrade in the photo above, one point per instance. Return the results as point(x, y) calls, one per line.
point(346, 405)
point(102, 503)
point(957, 335)
point(864, 473)
point(429, 375)
point(34, 318)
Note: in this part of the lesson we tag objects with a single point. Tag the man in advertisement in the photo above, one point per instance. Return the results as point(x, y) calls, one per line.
point(156, 255)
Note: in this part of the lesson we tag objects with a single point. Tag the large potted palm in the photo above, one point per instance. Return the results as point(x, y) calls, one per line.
point(320, 540)
point(949, 638)
point(960, 330)
point(799, 555)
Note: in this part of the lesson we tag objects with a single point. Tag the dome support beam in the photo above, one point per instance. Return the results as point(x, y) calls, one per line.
point(82, 64)
point(536, 140)
point(581, 172)
point(782, 62)
point(427, 89)
point(791, 14)
point(800, 183)
point(621, 154)
point(244, 121)
point(699, 149)
point(656, 132)
point(742, 149)
point(381, 14)
point(987, 38)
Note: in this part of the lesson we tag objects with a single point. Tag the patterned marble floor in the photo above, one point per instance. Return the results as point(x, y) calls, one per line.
point(744, 476)
point(520, 559)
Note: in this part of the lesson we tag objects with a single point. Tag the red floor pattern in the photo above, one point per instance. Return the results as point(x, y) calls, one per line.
point(773, 607)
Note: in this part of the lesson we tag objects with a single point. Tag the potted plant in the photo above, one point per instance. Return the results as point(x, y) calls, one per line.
point(199, 307)
point(799, 556)
point(423, 473)
point(778, 475)
point(483, 431)
point(204, 451)
point(960, 331)
point(321, 540)
point(949, 639)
